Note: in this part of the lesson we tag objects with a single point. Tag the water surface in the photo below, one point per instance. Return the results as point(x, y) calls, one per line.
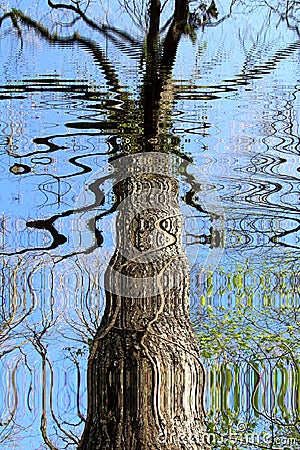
point(231, 125)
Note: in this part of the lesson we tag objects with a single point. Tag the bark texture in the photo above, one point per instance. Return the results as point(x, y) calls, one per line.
point(145, 379)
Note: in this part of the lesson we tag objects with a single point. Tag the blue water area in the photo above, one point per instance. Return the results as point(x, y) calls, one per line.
point(228, 115)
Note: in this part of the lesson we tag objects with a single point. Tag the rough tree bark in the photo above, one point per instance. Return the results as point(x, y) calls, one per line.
point(145, 379)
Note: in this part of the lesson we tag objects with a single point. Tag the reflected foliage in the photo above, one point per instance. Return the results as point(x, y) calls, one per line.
point(252, 355)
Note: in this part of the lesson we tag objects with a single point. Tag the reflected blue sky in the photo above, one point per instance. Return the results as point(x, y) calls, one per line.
point(233, 102)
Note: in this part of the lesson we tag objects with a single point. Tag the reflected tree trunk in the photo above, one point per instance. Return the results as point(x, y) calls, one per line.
point(145, 379)
point(181, 11)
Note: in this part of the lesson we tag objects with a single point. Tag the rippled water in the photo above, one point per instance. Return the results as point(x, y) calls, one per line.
point(232, 114)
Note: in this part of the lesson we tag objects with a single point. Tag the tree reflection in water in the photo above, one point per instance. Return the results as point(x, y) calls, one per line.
point(145, 378)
